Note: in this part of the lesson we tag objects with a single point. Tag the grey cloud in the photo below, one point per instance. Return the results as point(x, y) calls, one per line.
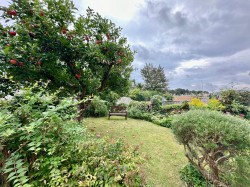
point(177, 31)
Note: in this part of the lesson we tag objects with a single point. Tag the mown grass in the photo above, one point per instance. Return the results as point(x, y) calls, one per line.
point(164, 157)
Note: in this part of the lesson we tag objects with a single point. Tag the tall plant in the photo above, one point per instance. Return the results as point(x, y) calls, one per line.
point(83, 55)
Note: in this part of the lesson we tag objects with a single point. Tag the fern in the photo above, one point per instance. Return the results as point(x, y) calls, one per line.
point(16, 170)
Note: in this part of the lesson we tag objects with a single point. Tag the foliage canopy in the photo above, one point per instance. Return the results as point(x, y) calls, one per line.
point(45, 41)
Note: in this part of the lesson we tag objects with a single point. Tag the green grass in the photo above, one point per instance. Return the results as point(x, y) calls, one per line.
point(164, 157)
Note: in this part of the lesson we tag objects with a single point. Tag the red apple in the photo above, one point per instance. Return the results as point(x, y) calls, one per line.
point(77, 76)
point(119, 61)
point(12, 12)
point(108, 36)
point(98, 41)
point(41, 14)
point(20, 64)
point(64, 31)
point(13, 61)
point(12, 33)
point(87, 38)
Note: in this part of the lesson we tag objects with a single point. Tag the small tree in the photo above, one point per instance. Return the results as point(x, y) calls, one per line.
point(215, 143)
point(154, 78)
point(82, 56)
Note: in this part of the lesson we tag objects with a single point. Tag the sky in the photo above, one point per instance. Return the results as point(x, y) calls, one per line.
point(200, 44)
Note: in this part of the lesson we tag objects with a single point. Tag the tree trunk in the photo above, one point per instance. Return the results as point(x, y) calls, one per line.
point(82, 107)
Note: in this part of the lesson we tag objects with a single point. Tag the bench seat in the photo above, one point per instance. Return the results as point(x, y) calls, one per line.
point(118, 111)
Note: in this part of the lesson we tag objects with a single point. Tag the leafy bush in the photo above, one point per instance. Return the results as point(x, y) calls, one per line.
point(156, 101)
point(175, 108)
point(168, 96)
point(213, 142)
point(196, 103)
point(215, 104)
point(141, 95)
point(110, 97)
point(163, 121)
point(97, 108)
point(238, 108)
point(140, 106)
point(192, 177)
point(42, 147)
point(230, 97)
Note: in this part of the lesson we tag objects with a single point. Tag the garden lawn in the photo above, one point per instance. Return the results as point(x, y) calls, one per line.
point(164, 157)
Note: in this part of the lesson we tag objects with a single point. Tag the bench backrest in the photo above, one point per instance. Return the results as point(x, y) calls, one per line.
point(118, 109)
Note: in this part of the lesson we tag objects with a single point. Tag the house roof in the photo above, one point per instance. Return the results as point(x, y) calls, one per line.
point(183, 97)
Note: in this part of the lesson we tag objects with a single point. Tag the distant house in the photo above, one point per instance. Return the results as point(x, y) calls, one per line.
point(182, 98)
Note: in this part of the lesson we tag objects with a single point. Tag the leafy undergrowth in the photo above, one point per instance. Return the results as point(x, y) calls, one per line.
point(164, 157)
point(41, 145)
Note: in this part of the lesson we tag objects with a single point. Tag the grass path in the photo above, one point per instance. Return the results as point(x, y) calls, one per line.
point(164, 156)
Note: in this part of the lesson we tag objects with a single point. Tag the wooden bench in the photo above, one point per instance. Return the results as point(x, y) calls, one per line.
point(118, 111)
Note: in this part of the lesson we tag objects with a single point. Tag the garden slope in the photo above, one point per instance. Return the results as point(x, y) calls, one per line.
point(164, 156)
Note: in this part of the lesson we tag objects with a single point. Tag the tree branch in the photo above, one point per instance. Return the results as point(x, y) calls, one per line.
point(105, 78)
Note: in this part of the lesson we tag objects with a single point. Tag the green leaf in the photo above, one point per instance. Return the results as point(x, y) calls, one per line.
point(22, 170)
point(8, 170)
point(11, 176)
point(6, 50)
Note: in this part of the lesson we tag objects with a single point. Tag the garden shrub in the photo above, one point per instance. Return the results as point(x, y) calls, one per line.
point(154, 117)
point(215, 104)
point(141, 95)
point(141, 106)
point(42, 147)
point(196, 103)
point(213, 142)
point(168, 96)
point(166, 122)
point(110, 97)
point(192, 177)
point(231, 97)
point(97, 108)
point(238, 108)
point(175, 108)
point(156, 101)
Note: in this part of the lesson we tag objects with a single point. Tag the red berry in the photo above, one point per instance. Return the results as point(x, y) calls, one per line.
point(8, 45)
point(120, 53)
point(13, 61)
point(12, 33)
point(119, 61)
point(39, 63)
point(98, 41)
point(77, 76)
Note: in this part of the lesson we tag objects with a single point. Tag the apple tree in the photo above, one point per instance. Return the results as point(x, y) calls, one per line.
point(80, 54)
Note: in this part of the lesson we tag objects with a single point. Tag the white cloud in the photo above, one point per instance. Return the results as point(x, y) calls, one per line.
point(116, 9)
